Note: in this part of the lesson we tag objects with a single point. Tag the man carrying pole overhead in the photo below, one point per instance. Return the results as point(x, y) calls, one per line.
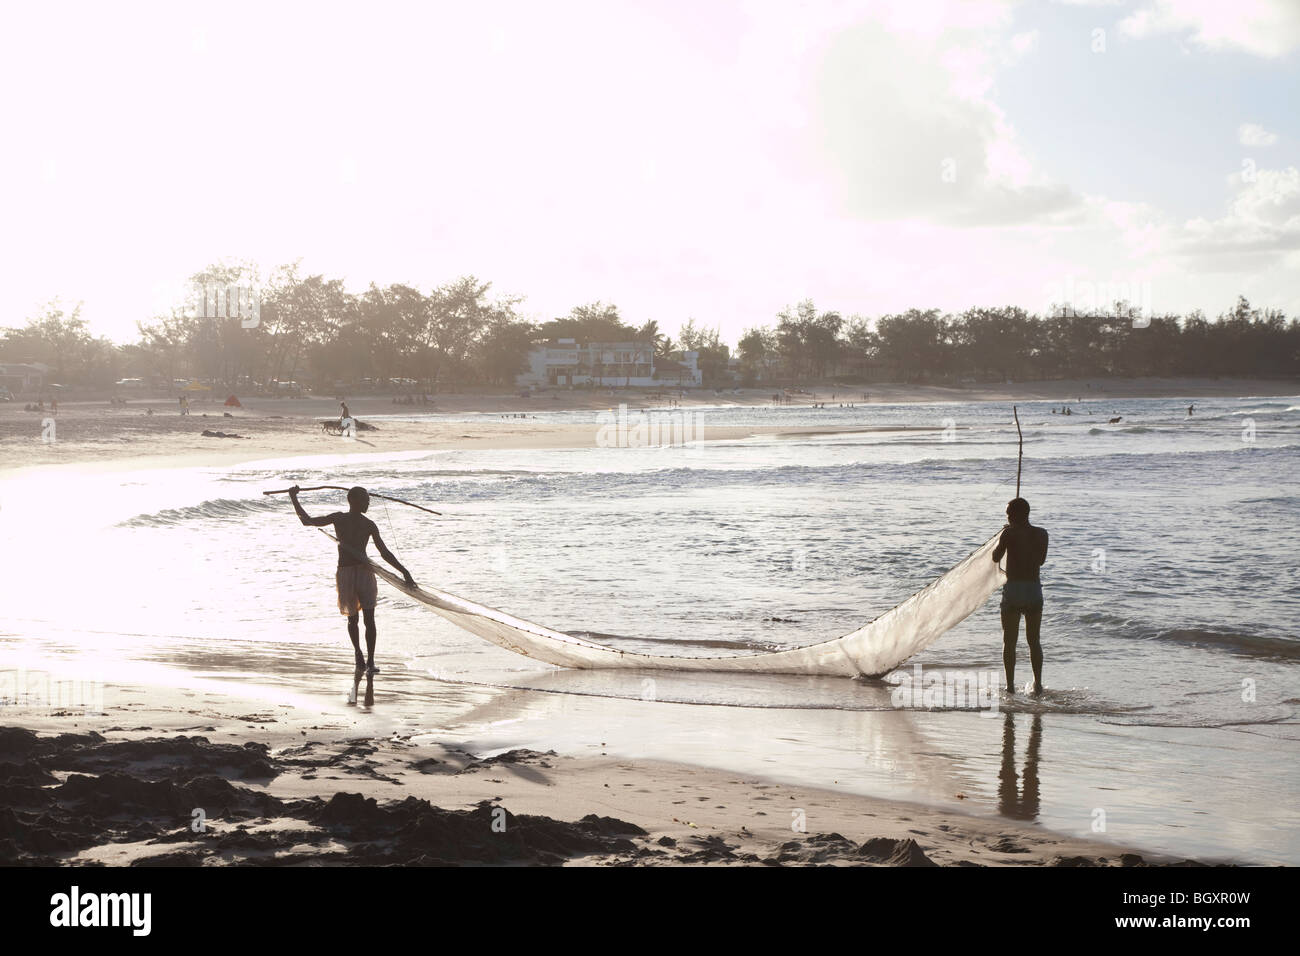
point(357, 587)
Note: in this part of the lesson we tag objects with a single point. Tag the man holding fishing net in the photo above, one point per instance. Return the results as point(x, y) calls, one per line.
point(357, 587)
point(1026, 549)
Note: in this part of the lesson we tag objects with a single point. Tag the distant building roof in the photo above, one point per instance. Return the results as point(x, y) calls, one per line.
point(595, 344)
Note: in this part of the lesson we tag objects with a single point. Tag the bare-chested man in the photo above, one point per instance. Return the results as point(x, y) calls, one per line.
point(357, 588)
point(1026, 549)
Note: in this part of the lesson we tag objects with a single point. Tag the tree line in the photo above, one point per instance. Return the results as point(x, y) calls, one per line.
point(311, 330)
point(1010, 344)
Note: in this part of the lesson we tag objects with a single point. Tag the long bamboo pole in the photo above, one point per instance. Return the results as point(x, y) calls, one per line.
point(373, 494)
point(1021, 457)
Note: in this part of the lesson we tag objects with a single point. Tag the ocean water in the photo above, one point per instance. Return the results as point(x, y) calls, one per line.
point(1172, 595)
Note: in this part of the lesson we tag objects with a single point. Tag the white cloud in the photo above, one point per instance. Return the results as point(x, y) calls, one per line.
point(1262, 223)
point(904, 143)
point(1266, 28)
point(1252, 134)
point(1023, 43)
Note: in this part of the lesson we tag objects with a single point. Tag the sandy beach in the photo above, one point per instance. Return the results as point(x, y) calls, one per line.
point(291, 783)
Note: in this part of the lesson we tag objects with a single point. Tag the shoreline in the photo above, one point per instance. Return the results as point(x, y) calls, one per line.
point(93, 436)
point(275, 780)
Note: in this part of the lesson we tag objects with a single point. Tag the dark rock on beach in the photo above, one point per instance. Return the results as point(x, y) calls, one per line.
point(148, 791)
point(895, 852)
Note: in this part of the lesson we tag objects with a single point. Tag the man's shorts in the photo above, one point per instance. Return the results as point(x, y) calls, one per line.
point(357, 588)
point(1022, 596)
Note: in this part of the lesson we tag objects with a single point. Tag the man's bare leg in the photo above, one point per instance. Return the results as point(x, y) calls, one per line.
point(1033, 621)
point(371, 634)
point(1010, 634)
point(354, 632)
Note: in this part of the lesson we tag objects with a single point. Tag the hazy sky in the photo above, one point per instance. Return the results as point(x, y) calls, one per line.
point(712, 160)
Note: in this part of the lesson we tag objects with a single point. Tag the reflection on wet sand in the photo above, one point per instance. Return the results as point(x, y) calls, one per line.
point(1019, 802)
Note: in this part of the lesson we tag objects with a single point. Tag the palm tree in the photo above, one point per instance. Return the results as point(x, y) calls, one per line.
point(650, 333)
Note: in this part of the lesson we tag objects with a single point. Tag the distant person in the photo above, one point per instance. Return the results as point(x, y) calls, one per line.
point(1190, 409)
point(345, 413)
point(355, 579)
point(1025, 547)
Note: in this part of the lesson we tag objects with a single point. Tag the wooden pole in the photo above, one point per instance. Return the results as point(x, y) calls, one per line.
point(1021, 457)
point(373, 494)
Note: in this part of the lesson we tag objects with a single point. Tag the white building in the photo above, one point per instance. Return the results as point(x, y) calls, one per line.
point(565, 363)
point(23, 378)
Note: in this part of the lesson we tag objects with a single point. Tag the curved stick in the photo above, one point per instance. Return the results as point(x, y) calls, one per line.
point(1020, 459)
point(373, 494)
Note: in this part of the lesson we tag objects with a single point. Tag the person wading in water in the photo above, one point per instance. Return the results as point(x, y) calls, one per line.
point(357, 587)
point(1026, 549)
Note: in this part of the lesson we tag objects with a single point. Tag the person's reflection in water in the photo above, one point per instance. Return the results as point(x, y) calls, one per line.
point(1019, 803)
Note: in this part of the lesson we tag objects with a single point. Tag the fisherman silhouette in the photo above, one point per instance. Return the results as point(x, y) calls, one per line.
point(357, 588)
point(1026, 549)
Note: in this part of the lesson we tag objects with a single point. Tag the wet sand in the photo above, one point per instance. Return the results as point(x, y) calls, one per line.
point(197, 777)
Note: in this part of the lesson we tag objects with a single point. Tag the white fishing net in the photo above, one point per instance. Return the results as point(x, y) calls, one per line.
point(872, 650)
